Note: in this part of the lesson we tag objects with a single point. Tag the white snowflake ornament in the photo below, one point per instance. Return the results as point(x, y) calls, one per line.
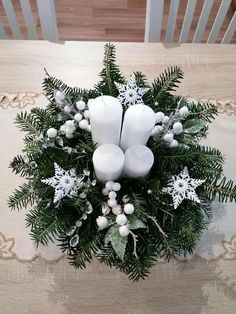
point(65, 183)
point(182, 187)
point(130, 94)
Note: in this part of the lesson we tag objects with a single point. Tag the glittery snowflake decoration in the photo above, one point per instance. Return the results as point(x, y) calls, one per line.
point(65, 183)
point(130, 94)
point(182, 187)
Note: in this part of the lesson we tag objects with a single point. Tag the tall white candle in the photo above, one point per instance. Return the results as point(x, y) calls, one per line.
point(138, 161)
point(138, 123)
point(108, 162)
point(105, 119)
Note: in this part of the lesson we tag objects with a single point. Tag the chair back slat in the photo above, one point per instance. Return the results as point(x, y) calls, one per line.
point(2, 32)
point(173, 11)
point(28, 17)
point(206, 9)
point(153, 22)
point(7, 4)
point(218, 21)
point(48, 20)
point(230, 31)
point(188, 17)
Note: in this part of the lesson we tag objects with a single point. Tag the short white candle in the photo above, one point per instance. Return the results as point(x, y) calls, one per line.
point(108, 162)
point(138, 123)
point(105, 119)
point(138, 161)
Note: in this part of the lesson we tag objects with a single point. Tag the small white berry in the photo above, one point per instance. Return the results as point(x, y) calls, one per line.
point(129, 209)
point(70, 123)
point(70, 131)
point(123, 231)
point(183, 111)
point(63, 128)
point(105, 210)
point(174, 143)
point(112, 195)
point(109, 185)
point(83, 124)
point(121, 219)
point(78, 117)
point(67, 109)
point(80, 104)
point(59, 96)
point(166, 119)
point(177, 128)
point(160, 128)
point(117, 210)
point(168, 137)
point(69, 135)
point(159, 117)
point(105, 191)
point(51, 132)
point(89, 128)
point(116, 186)
point(102, 222)
point(157, 130)
point(86, 114)
point(112, 202)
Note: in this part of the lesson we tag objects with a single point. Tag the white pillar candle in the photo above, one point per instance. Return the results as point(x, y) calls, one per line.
point(138, 123)
point(108, 162)
point(105, 119)
point(138, 161)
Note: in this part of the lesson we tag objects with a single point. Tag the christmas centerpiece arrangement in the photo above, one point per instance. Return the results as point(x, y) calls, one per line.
point(117, 172)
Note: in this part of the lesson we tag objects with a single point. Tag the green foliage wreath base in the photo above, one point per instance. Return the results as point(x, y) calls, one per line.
point(161, 230)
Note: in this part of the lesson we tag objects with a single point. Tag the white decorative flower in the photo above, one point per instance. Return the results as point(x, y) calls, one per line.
point(65, 183)
point(182, 187)
point(130, 94)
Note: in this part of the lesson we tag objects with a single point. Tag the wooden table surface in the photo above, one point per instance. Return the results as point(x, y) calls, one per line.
point(36, 286)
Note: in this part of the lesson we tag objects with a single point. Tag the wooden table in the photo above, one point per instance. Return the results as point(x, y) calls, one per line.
point(41, 281)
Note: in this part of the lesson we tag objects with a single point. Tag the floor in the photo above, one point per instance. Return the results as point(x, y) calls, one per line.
point(112, 20)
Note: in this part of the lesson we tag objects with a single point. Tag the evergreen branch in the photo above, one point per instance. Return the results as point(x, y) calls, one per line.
point(19, 165)
point(27, 123)
point(107, 55)
point(23, 196)
point(225, 190)
point(110, 73)
point(203, 111)
point(166, 82)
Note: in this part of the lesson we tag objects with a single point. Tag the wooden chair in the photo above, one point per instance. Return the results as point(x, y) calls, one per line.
point(47, 16)
point(154, 14)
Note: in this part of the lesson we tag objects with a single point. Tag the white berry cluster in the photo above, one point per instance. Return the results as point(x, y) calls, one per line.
point(78, 113)
point(119, 210)
point(168, 126)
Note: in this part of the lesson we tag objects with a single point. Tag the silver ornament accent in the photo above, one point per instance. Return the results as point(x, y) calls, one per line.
point(86, 172)
point(84, 216)
point(94, 182)
point(71, 230)
point(88, 208)
point(82, 195)
point(74, 241)
point(78, 223)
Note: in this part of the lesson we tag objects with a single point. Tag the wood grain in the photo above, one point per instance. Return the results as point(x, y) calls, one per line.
point(209, 70)
point(112, 20)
